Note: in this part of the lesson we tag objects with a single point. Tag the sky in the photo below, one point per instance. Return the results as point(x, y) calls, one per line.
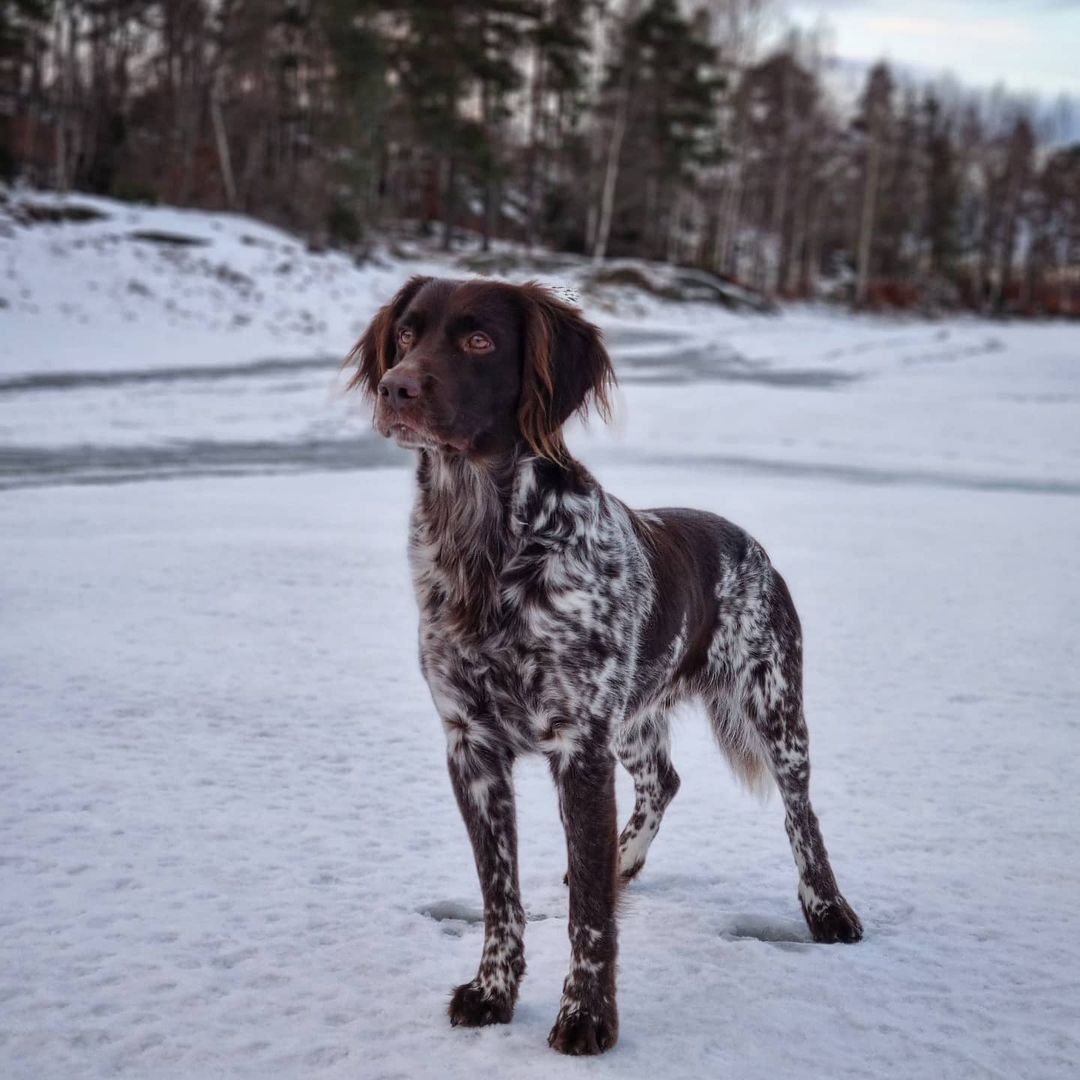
point(1032, 46)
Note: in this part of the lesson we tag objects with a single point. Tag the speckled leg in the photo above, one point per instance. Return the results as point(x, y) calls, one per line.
point(588, 1020)
point(827, 913)
point(645, 754)
point(485, 793)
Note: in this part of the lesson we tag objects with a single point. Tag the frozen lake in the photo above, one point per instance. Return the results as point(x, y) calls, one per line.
point(266, 416)
point(289, 415)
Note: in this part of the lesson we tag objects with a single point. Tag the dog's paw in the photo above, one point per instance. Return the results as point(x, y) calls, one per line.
point(470, 1007)
point(582, 1031)
point(834, 921)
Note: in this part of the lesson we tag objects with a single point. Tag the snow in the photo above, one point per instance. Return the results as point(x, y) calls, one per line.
point(227, 843)
point(240, 289)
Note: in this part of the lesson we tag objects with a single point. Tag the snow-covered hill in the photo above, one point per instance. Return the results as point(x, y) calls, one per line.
point(168, 287)
point(178, 288)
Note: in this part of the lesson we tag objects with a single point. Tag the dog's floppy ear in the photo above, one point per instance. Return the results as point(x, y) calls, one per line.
point(374, 353)
point(566, 370)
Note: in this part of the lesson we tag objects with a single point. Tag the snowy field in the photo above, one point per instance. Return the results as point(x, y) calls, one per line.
point(227, 844)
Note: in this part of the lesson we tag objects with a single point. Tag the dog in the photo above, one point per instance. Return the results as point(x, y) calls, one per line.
point(554, 619)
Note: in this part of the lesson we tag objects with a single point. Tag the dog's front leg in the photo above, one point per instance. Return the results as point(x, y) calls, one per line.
point(484, 788)
point(588, 1020)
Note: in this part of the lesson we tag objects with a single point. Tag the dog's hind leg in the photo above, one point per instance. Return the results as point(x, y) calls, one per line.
point(827, 913)
point(754, 700)
point(762, 740)
point(644, 750)
point(769, 698)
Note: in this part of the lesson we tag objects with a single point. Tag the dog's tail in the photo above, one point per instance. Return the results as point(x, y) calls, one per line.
point(740, 744)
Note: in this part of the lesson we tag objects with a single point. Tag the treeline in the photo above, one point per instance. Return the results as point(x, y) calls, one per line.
point(627, 128)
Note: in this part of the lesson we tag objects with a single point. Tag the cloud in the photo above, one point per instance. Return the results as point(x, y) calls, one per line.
point(1030, 45)
point(996, 31)
point(971, 8)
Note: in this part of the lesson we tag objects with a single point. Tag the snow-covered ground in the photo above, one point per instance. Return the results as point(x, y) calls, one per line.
point(227, 844)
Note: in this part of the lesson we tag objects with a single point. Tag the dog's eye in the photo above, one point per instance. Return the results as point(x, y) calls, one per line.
point(405, 337)
point(479, 343)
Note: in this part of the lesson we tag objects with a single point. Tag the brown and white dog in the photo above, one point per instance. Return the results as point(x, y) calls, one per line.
point(555, 619)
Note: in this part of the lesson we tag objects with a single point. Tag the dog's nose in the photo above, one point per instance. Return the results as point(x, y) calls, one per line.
point(397, 388)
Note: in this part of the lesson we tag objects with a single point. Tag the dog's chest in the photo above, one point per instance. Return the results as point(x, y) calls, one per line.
point(558, 644)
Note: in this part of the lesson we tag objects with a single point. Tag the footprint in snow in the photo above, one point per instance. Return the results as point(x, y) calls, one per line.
point(456, 915)
point(784, 933)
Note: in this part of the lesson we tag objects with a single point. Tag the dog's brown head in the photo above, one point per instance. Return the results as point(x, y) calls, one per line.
point(478, 367)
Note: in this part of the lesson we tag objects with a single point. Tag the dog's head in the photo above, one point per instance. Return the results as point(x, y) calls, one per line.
point(479, 367)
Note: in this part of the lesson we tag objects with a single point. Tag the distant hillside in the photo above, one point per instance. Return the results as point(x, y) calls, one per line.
point(171, 287)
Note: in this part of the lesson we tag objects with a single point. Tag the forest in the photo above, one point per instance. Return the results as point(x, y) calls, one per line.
point(618, 130)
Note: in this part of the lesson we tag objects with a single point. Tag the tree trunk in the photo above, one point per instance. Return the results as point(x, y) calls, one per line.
point(618, 133)
point(61, 177)
point(793, 272)
point(611, 176)
point(533, 161)
point(779, 215)
point(783, 184)
point(221, 140)
point(730, 216)
point(492, 199)
point(449, 203)
point(866, 220)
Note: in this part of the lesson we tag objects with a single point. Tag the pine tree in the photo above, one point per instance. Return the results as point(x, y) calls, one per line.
point(671, 125)
point(449, 55)
point(23, 28)
point(777, 101)
point(559, 48)
point(875, 123)
point(1016, 185)
point(943, 189)
point(902, 204)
